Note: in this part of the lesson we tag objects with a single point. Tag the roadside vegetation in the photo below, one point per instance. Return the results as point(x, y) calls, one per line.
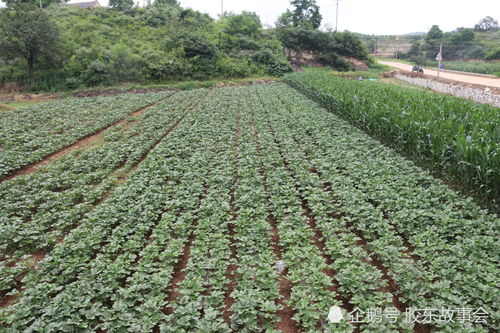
point(480, 67)
point(474, 49)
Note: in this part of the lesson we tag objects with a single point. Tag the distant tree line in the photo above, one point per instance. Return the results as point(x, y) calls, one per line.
point(461, 44)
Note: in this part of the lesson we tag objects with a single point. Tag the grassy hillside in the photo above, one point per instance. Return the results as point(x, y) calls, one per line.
point(157, 44)
point(161, 43)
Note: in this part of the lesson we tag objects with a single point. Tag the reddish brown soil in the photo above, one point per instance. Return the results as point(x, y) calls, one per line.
point(33, 262)
point(228, 300)
point(29, 98)
point(7, 301)
point(285, 314)
point(286, 322)
point(4, 107)
point(231, 276)
point(179, 272)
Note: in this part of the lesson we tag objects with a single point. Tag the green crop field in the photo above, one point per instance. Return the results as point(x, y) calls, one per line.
point(480, 67)
point(28, 135)
point(240, 209)
point(453, 137)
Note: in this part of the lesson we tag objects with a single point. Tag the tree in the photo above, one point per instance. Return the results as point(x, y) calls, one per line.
point(246, 23)
point(122, 5)
point(285, 20)
point(414, 48)
point(27, 32)
point(487, 24)
point(432, 40)
point(44, 3)
point(167, 2)
point(306, 14)
point(465, 36)
point(434, 34)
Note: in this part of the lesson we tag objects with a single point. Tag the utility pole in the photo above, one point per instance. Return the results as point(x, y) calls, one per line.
point(440, 57)
point(397, 47)
point(376, 47)
point(337, 17)
point(221, 8)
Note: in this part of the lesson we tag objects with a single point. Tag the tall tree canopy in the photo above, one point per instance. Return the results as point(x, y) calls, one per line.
point(121, 4)
point(306, 14)
point(487, 24)
point(434, 33)
point(26, 31)
point(44, 3)
point(167, 2)
point(285, 19)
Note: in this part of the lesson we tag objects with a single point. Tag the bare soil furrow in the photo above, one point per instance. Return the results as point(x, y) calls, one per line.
point(318, 239)
point(286, 313)
point(228, 300)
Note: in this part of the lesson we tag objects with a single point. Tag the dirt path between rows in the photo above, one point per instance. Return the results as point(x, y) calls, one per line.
point(472, 79)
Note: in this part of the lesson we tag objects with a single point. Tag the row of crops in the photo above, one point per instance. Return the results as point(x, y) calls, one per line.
point(38, 210)
point(242, 210)
point(29, 135)
point(453, 137)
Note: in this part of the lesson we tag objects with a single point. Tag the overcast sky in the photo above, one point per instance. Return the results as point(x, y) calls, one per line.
point(365, 16)
point(371, 16)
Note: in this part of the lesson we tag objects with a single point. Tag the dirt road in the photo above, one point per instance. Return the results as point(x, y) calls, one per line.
point(485, 81)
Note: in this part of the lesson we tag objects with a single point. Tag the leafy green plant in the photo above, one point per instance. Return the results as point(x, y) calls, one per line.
point(257, 207)
point(454, 137)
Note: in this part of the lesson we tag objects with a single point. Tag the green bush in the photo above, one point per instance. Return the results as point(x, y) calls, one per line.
point(97, 73)
point(493, 54)
point(274, 65)
point(339, 43)
point(336, 62)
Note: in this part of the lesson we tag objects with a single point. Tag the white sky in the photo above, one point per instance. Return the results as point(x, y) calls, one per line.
point(371, 16)
point(366, 16)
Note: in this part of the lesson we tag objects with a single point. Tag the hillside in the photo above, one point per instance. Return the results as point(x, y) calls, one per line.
point(102, 46)
point(387, 45)
point(455, 46)
point(159, 43)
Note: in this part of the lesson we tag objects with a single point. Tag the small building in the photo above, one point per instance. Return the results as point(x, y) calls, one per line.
point(86, 4)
